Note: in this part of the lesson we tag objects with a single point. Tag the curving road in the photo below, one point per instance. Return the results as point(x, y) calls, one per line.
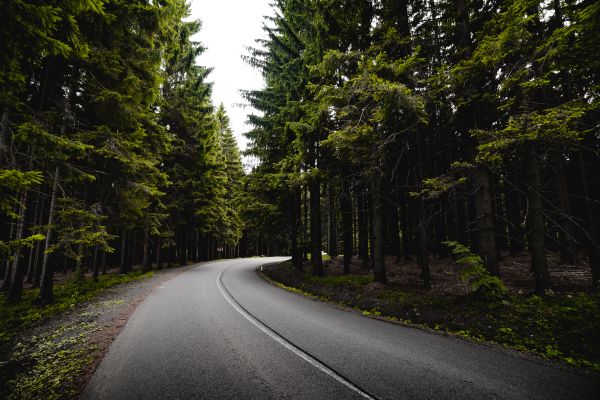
point(218, 331)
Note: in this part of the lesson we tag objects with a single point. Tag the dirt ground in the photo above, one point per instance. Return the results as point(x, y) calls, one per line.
point(514, 269)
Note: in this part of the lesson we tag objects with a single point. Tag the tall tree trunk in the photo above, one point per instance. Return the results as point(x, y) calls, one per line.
point(535, 222)
point(8, 265)
point(332, 246)
point(363, 230)
point(33, 250)
point(3, 130)
point(95, 268)
point(346, 210)
point(423, 246)
point(378, 230)
point(296, 225)
point(406, 231)
point(315, 228)
point(16, 280)
point(182, 246)
point(47, 278)
point(568, 246)
point(422, 239)
point(484, 207)
point(513, 210)
point(371, 229)
point(146, 266)
point(37, 270)
point(80, 270)
point(103, 262)
point(159, 264)
point(123, 267)
point(396, 247)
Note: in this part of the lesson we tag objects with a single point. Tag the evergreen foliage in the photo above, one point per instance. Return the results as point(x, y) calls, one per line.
point(429, 122)
point(111, 153)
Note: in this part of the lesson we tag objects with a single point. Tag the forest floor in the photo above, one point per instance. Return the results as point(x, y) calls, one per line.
point(564, 325)
point(51, 352)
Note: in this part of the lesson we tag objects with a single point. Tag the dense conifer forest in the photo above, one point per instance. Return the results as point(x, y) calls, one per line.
point(111, 152)
point(432, 162)
point(413, 128)
point(407, 128)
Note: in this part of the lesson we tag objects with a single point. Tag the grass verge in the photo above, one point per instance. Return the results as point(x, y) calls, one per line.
point(18, 317)
point(563, 327)
point(49, 365)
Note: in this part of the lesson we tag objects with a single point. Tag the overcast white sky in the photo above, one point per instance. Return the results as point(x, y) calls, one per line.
point(228, 26)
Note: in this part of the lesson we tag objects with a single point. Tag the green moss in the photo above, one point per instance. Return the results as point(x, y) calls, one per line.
point(15, 318)
point(393, 296)
point(52, 361)
point(352, 281)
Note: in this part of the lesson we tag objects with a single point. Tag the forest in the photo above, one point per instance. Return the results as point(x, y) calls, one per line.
point(420, 128)
point(434, 163)
point(402, 128)
point(111, 152)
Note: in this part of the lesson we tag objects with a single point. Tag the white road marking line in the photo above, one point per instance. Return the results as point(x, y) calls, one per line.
point(279, 339)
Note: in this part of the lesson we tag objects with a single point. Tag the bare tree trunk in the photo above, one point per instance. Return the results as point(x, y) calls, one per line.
point(37, 271)
point(3, 129)
point(146, 258)
point(95, 269)
point(378, 231)
point(363, 230)
point(159, 264)
point(8, 265)
point(33, 250)
point(296, 224)
point(103, 262)
point(370, 219)
point(346, 210)
point(535, 222)
point(79, 269)
point(123, 267)
point(423, 247)
point(47, 278)
point(484, 207)
point(332, 246)
point(315, 228)
point(513, 209)
point(407, 243)
point(396, 246)
point(568, 247)
point(16, 282)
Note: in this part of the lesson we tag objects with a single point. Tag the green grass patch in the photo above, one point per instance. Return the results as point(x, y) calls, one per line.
point(47, 366)
point(18, 317)
point(324, 257)
point(352, 281)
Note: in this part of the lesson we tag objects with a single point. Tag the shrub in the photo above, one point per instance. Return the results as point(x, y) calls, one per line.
point(482, 284)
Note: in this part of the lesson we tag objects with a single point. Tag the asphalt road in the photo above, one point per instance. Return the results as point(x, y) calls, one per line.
point(218, 331)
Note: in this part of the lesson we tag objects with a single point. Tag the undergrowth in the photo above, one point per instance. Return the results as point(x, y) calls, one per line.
point(18, 317)
point(353, 281)
point(559, 326)
point(49, 364)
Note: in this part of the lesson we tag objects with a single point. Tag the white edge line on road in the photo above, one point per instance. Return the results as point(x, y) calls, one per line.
point(279, 339)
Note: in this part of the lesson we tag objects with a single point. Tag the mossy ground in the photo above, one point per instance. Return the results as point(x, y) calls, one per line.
point(559, 326)
point(17, 317)
point(48, 364)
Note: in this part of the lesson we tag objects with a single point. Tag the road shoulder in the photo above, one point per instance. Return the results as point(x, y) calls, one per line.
point(57, 358)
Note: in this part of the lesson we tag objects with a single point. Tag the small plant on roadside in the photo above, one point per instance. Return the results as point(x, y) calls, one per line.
point(482, 284)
